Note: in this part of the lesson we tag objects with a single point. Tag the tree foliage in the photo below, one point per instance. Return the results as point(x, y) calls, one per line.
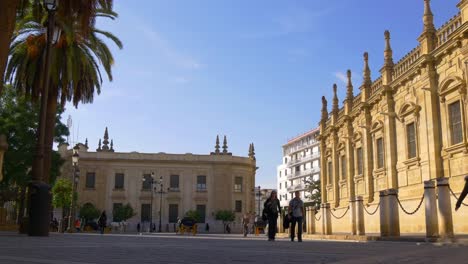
point(195, 215)
point(225, 216)
point(19, 121)
point(313, 191)
point(123, 213)
point(62, 193)
point(89, 212)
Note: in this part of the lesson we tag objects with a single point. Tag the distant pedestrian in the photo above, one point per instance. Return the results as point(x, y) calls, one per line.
point(296, 213)
point(272, 209)
point(102, 221)
point(78, 225)
point(228, 229)
point(246, 223)
point(463, 194)
point(207, 227)
point(153, 227)
point(138, 227)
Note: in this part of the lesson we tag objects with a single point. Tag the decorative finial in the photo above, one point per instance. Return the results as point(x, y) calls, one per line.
point(86, 143)
point(225, 147)
point(112, 145)
point(335, 99)
point(367, 73)
point(324, 109)
point(250, 150)
point(106, 140)
point(99, 146)
point(217, 145)
point(253, 151)
point(349, 87)
point(388, 53)
point(428, 18)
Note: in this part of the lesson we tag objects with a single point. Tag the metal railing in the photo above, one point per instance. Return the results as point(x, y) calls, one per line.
point(303, 159)
point(303, 173)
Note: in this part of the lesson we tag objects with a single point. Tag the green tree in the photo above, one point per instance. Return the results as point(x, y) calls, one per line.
point(123, 213)
point(62, 193)
point(226, 216)
point(75, 73)
point(313, 192)
point(89, 212)
point(193, 214)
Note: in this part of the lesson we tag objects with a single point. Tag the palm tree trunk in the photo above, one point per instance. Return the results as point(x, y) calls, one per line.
point(7, 25)
point(49, 131)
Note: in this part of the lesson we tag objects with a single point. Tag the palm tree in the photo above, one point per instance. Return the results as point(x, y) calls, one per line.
point(75, 73)
point(13, 10)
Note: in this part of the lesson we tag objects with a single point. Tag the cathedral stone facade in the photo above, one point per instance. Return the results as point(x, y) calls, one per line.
point(404, 131)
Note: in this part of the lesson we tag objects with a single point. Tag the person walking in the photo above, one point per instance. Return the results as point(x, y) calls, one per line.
point(245, 223)
point(462, 195)
point(102, 221)
point(272, 209)
point(296, 213)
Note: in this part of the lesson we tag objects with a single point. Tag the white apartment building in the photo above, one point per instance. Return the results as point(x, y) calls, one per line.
point(301, 161)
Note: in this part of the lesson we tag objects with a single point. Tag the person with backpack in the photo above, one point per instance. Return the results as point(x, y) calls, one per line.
point(296, 214)
point(272, 209)
point(102, 222)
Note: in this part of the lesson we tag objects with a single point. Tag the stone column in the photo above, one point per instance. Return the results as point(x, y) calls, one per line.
point(326, 219)
point(432, 224)
point(307, 220)
point(445, 208)
point(352, 215)
point(384, 219)
point(280, 224)
point(311, 229)
point(393, 213)
point(361, 231)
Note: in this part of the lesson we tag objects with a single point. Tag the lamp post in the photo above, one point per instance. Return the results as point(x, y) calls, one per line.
point(39, 205)
point(160, 202)
point(259, 194)
point(76, 178)
point(151, 182)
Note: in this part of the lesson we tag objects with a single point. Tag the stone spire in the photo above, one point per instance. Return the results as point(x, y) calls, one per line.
point(86, 143)
point(349, 87)
point(99, 146)
point(335, 107)
point(367, 81)
point(217, 145)
point(324, 109)
point(225, 147)
point(388, 53)
point(252, 153)
point(105, 147)
point(428, 17)
point(112, 145)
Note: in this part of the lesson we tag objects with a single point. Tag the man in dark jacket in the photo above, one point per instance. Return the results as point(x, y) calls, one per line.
point(463, 194)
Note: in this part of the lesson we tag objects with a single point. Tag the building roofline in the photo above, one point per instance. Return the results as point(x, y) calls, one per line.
point(301, 136)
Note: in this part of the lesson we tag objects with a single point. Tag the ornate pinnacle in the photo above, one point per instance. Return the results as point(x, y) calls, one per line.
point(335, 99)
point(106, 140)
point(428, 18)
point(225, 147)
point(217, 145)
point(324, 109)
point(99, 146)
point(112, 145)
point(388, 53)
point(253, 151)
point(349, 88)
point(250, 150)
point(367, 73)
point(86, 143)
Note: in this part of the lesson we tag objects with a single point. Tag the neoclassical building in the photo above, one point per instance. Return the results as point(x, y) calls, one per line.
point(205, 183)
point(403, 132)
point(300, 163)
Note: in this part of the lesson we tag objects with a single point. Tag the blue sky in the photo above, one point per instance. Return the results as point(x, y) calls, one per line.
point(252, 70)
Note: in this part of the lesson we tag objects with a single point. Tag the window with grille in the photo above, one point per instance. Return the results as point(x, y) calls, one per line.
point(343, 167)
point(456, 132)
point(174, 182)
point(380, 153)
point(238, 184)
point(359, 161)
point(90, 180)
point(238, 206)
point(173, 213)
point(145, 212)
point(119, 181)
point(201, 183)
point(411, 140)
point(146, 185)
point(201, 209)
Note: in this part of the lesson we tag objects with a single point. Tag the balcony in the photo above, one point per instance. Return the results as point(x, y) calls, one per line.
point(299, 174)
point(304, 159)
point(296, 187)
point(300, 148)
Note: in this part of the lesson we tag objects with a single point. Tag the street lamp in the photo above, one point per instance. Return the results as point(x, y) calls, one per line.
point(76, 178)
point(259, 194)
point(160, 202)
point(39, 217)
point(151, 182)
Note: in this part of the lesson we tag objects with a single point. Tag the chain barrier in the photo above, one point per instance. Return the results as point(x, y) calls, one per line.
point(331, 211)
point(375, 211)
point(413, 212)
point(317, 219)
point(456, 196)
